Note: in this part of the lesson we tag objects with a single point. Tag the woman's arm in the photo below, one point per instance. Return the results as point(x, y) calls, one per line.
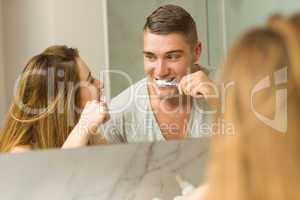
point(21, 149)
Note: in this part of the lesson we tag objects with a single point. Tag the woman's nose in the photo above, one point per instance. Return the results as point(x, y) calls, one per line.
point(99, 84)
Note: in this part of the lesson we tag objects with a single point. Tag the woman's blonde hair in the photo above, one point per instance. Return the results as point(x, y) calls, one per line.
point(43, 113)
point(261, 160)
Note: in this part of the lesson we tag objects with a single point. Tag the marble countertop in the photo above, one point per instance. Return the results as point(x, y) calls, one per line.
point(112, 172)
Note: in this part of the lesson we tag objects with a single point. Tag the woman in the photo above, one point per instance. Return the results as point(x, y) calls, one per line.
point(261, 161)
point(45, 113)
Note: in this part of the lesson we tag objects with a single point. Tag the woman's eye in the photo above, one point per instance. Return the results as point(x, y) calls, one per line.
point(92, 80)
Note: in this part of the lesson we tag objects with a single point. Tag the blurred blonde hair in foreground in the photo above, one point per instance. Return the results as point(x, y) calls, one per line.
point(261, 161)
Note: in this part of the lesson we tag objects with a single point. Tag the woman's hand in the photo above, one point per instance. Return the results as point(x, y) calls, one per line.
point(93, 115)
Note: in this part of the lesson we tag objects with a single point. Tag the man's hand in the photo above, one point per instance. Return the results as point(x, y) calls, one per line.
point(197, 84)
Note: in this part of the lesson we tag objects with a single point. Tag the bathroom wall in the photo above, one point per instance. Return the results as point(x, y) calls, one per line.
point(80, 23)
point(28, 29)
point(242, 14)
point(2, 81)
point(227, 19)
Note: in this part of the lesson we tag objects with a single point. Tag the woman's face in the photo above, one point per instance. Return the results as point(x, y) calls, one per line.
point(90, 88)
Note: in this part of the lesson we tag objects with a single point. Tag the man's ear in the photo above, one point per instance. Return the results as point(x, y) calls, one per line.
point(197, 52)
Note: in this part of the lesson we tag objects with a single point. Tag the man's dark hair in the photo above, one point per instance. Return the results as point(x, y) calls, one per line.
point(172, 19)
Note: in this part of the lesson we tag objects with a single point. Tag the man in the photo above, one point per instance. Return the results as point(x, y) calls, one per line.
point(171, 102)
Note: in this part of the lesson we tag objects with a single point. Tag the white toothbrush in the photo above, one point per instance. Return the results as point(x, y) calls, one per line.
point(167, 83)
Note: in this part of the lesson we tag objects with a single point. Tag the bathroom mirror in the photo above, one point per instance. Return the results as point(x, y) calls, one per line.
point(109, 34)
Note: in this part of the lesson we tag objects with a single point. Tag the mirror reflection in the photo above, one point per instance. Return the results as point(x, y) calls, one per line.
point(104, 76)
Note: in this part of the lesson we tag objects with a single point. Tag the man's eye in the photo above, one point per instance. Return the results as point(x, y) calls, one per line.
point(173, 56)
point(150, 57)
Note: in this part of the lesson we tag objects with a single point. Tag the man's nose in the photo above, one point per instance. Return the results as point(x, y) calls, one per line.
point(161, 69)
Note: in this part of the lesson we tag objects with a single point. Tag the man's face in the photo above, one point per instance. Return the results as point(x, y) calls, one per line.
point(167, 57)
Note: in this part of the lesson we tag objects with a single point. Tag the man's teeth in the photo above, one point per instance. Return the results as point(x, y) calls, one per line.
point(164, 82)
